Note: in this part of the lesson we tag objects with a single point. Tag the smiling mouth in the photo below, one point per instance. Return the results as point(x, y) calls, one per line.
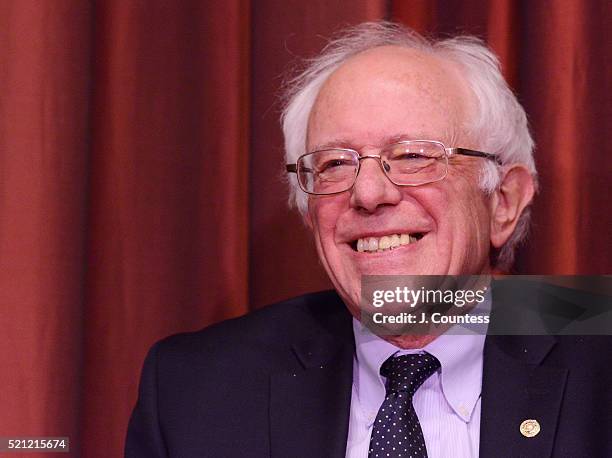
point(385, 243)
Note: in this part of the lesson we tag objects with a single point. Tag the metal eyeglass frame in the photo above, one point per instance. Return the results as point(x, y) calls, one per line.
point(293, 168)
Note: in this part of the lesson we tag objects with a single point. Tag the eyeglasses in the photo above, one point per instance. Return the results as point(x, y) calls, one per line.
point(407, 163)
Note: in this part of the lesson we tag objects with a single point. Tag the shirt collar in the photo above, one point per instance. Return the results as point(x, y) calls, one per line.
point(460, 359)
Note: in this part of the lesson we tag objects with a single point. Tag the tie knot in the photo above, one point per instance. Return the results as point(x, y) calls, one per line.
point(408, 372)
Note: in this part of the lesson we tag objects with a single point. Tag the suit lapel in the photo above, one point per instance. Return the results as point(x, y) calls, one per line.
point(309, 408)
point(516, 387)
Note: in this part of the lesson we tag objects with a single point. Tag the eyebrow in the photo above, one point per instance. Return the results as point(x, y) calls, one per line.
point(387, 140)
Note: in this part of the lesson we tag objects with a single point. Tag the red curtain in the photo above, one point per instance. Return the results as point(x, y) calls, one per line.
point(141, 165)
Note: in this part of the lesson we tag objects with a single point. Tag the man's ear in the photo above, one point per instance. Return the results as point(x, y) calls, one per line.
point(514, 193)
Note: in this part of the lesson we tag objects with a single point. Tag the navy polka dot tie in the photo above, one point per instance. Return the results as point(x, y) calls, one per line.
point(397, 431)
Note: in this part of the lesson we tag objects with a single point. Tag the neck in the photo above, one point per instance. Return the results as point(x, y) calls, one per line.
point(410, 342)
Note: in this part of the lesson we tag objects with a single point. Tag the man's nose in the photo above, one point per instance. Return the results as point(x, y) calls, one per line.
point(372, 188)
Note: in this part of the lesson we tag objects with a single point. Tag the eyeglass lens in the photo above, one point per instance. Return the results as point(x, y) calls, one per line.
point(408, 163)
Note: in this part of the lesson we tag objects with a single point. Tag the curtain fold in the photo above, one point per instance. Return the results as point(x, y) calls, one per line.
point(168, 212)
point(565, 86)
point(44, 85)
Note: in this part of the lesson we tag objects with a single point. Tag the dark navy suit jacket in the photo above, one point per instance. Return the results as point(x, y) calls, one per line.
point(277, 383)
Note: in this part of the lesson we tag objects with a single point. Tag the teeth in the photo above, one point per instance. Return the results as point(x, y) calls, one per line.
point(384, 243)
point(395, 241)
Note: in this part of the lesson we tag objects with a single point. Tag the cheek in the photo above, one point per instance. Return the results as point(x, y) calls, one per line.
point(471, 221)
point(473, 206)
point(324, 214)
point(459, 210)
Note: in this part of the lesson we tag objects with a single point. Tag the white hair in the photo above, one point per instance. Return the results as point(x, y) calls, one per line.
point(500, 126)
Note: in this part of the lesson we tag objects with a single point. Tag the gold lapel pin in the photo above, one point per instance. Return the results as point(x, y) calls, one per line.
point(530, 428)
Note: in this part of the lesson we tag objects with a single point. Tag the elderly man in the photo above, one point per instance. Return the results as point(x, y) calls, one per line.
point(410, 157)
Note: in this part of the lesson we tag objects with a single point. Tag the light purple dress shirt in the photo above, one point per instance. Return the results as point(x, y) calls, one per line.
point(447, 404)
